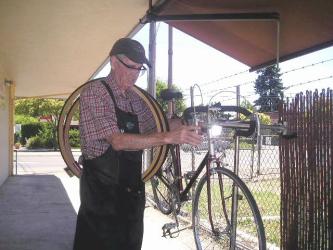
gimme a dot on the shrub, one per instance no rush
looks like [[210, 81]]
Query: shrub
[[38, 141], [74, 138], [29, 130], [22, 119], [49, 135], [35, 142], [46, 137]]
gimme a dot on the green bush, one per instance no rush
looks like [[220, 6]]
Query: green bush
[[46, 138], [38, 141], [29, 130], [49, 135], [22, 119], [74, 138], [35, 142]]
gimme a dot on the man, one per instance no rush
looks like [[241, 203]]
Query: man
[[115, 126]]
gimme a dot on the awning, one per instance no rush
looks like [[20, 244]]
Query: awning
[[248, 30], [49, 48]]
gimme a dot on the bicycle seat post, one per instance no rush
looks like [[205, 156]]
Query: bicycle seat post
[[171, 96]]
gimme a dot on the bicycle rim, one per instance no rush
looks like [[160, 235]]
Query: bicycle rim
[[158, 154], [217, 232]]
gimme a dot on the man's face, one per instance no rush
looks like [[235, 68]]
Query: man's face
[[125, 71]]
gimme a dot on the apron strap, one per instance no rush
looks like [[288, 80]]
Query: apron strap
[[110, 92]]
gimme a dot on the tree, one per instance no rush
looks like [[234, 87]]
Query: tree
[[270, 89], [180, 104], [39, 107]]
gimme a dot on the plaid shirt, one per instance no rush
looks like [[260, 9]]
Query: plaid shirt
[[98, 118]]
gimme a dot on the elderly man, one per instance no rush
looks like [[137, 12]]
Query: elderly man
[[115, 126]]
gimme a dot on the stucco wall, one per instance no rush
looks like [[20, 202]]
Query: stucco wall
[[4, 121]]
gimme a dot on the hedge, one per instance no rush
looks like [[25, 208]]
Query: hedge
[[29, 130]]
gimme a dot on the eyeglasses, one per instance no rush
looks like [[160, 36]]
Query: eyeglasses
[[142, 69]]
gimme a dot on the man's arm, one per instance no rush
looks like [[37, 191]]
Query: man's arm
[[183, 134]]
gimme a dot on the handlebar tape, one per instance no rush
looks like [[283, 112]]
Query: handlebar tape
[[201, 109], [188, 114]]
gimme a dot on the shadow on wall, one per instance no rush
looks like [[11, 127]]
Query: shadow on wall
[[35, 213]]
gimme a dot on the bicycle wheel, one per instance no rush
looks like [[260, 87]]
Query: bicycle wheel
[[165, 188], [162, 194], [225, 229], [158, 154]]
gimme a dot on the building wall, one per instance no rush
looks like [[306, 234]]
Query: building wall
[[4, 125]]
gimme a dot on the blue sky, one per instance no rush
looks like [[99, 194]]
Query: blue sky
[[197, 63]]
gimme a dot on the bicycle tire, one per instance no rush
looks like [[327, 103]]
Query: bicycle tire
[[67, 112], [250, 233], [162, 186], [162, 195]]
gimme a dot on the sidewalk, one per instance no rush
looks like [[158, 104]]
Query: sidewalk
[[35, 214], [38, 212]]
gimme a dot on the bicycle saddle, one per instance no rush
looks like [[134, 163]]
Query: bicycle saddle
[[169, 94]]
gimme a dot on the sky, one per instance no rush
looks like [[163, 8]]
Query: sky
[[197, 63]]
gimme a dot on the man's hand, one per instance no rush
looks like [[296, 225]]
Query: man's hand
[[185, 134], [182, 134]]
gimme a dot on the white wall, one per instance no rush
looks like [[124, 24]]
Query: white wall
[[4, 123]]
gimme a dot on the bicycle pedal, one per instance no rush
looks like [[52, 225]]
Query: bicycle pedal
[[189, 175], [167, 229]]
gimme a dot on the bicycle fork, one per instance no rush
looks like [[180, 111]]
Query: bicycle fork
[[230, 227]]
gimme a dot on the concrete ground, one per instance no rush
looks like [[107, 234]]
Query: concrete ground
[[38, 209]]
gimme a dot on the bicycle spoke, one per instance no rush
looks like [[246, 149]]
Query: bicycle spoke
[[216, 232]]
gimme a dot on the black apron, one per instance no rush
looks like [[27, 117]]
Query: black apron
[[112, 195]]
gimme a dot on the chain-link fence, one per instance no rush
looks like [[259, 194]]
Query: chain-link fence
[[258, 168]]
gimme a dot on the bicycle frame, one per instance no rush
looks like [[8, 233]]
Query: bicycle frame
[[215, 167]]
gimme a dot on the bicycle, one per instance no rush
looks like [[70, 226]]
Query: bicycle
[[214, 180], [224, 213]]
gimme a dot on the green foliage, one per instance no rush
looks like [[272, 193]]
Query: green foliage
[[74, 138], [247, 104], [35, 142], [180, 104], [264, 119], [44, 138], [39, 141], [29, 130], [36, 107], [48, 134], [269, 87], [23, 119]]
